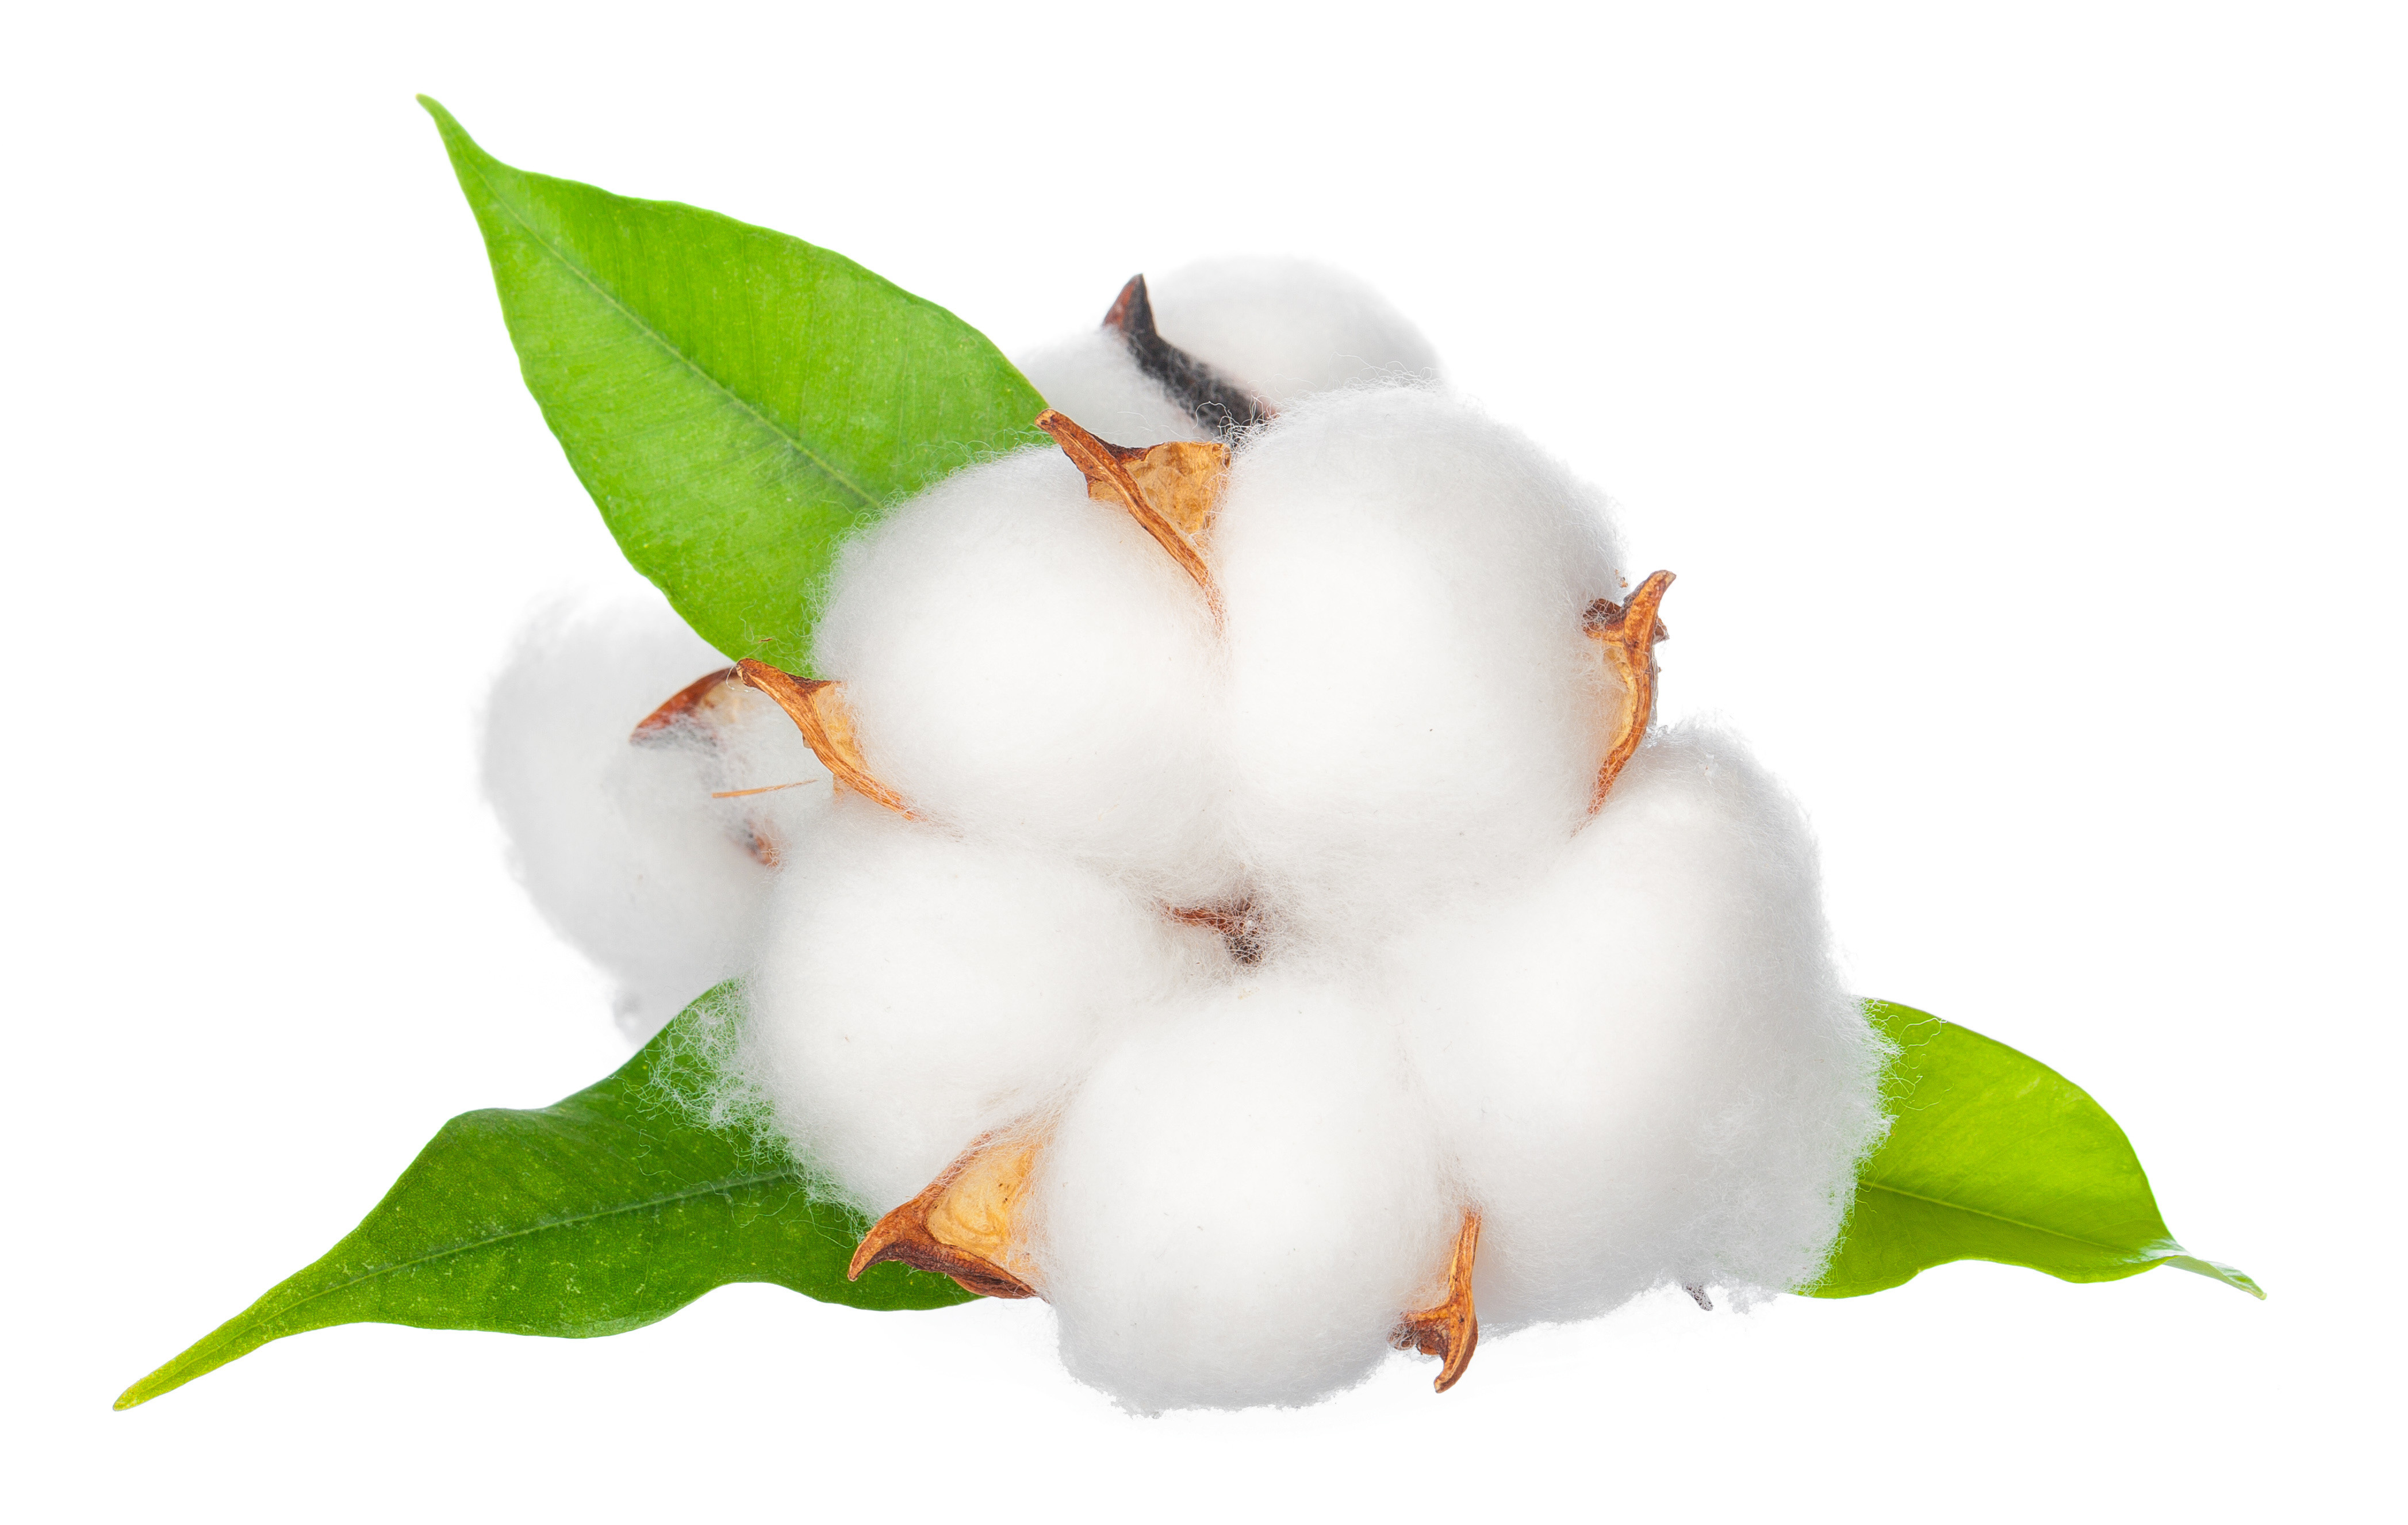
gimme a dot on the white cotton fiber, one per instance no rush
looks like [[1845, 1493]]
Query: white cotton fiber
[[915, 990], [1646, 1067], [1026, 665], [1241, 1201], [1091, 378], [1412, 706], [622, 846], [1288, 328]]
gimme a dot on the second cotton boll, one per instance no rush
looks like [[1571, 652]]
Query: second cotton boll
[[1412, 705], [918, 990], [1241, 1198], [1024, 665], [1641, 1059]]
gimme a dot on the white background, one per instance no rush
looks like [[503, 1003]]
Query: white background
[[2018, 395]]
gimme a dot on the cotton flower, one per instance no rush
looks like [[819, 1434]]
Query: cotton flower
[[1252, 912]]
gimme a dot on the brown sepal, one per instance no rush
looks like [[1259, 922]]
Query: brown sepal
[[1626, 637], [961, 1225], [698, 701], [1451, 1330], [817, 708], [1215, 401], [1169, 489]]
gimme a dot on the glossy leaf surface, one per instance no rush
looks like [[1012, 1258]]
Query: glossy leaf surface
[[1994, 1156], [602, 1212], [735, 399]]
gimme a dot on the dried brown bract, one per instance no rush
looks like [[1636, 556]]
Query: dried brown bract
[[704, 699], [1169, 489], [962, 1224], [1449, 1329], [1626, 637], [818, 709]]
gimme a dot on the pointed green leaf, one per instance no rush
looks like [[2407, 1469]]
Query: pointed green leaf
[[598, 1214], [735, 399], [1994, 1156]]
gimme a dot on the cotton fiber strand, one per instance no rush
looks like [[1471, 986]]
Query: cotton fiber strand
[[1280, 923]]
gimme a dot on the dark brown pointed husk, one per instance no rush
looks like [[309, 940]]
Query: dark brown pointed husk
[[1215, 401]]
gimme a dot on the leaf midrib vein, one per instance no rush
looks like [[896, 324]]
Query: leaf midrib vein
[[2002, 1217], [729, 1184], [793, 441]]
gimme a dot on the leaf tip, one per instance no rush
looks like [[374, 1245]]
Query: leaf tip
[[457, 141], [2232, 1277], [143, 1391]]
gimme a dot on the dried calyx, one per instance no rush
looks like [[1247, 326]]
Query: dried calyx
[[967, 1223], [1449, 1328], [963, 1223], [1169, 489], [1626, 637]]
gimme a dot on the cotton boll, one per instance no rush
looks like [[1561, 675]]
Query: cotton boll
[[1412, 705], [1093, 379], [1287, 328], [622, 846], [915, 991], [1645, 1065], [1026, 665], [1240, 1201]]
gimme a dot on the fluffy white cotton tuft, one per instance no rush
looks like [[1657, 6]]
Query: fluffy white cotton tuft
[[1412, 706], [622, 846], [1241, 1201], [1646, 1067], [1028, 667], [1288, 328], [915, 990], [1091, 378]]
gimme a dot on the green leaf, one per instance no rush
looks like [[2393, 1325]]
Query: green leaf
[[1994, 1156], [735, 399], [596, 1214]]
